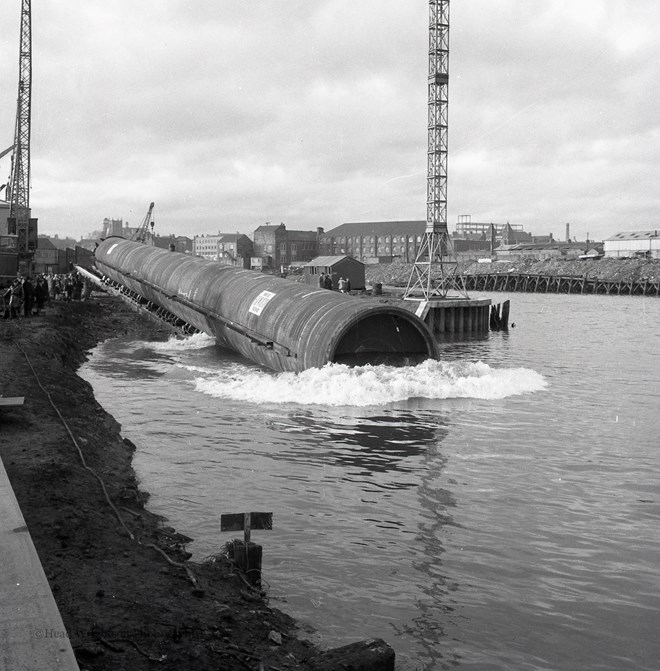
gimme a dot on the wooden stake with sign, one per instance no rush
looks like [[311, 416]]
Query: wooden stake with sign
[[247, 554]]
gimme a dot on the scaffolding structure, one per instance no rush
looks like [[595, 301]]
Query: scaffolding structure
[[435, 269], [18, 187]]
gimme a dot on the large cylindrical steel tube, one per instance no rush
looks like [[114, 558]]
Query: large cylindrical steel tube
[[284, 325]]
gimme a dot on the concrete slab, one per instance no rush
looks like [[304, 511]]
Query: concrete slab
[[32, 635], [12, 400]]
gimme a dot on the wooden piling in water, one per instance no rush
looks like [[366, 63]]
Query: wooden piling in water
[[559, 284], [246, 554], [504, 322], [248, 558]]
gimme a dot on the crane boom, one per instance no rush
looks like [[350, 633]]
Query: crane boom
[[143, 231], [6, 151]]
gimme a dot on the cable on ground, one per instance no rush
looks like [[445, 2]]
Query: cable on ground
[[75, 442]]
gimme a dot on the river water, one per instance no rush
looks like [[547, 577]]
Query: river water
[[498, 509]]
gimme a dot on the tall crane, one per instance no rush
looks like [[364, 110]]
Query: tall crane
[[18, 187], [142, 233], [434, 270]]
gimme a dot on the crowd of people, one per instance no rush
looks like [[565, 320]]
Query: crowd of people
[[343, 284], [24, 297]]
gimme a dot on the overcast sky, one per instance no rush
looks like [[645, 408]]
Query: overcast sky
[[313, 113]]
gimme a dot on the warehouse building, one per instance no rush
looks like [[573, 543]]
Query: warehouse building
[[634, 244], [230, 249], [276, 247], [374, 241]]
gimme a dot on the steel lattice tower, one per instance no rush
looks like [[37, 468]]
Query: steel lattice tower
[[19, 181], [435, 266]]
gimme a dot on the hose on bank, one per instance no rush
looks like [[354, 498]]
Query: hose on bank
[[75, 442], [170, 561]]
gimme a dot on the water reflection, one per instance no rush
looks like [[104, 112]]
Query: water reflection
[[480, 348], [122, 360], [448, 338], [436, 507], [372, 443]]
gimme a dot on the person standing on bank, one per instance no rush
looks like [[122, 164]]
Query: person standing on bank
[[322, 281], [15, 299], [41, 293], [28, 297]]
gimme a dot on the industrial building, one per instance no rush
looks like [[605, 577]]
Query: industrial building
[[116, 227], [50, 257], [374, 241], [634, 244], [230, 249], [275, 246], [176, 243], [388, 241], [466, 229], [542, 251]]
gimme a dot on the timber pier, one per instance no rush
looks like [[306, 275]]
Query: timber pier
[[455, 316], [559, 284]]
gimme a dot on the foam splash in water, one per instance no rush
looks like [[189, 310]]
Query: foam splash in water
[[336, 384], [177, 344]]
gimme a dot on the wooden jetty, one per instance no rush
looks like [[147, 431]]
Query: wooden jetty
[[462, 316], [559, 284]]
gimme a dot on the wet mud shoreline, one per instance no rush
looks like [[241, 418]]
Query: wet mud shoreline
[[128, 596]]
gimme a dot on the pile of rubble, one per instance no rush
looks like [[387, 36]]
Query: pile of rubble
[[397, 273]]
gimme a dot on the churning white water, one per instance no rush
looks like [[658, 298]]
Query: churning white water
[[337, 384]]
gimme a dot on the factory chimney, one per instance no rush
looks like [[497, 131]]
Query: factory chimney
[[568, 232]]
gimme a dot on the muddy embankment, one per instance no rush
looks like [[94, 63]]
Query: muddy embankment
[[129, 598]]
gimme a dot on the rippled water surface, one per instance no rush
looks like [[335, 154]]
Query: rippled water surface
[[499, 509]]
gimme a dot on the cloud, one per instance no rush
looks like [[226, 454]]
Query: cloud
[[231, 114]]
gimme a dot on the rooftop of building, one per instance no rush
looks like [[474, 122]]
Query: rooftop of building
[[412, 227], [636, 235], [555, 244], [45, 244], [330, 260], [302, 235], [269, 228]]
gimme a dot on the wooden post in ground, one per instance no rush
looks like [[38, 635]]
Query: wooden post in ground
[[246, 554]]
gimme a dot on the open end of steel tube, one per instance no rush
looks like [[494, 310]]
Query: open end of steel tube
[[384, 339]]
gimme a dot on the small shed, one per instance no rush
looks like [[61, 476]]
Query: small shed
[[335, 266]]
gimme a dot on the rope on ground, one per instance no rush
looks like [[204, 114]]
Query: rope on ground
[[135, 645], [192, 578], [91, 470], [75, 442], [187, 569], [224, 555]]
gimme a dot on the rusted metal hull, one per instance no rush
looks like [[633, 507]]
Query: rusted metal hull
[[283, 325]]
